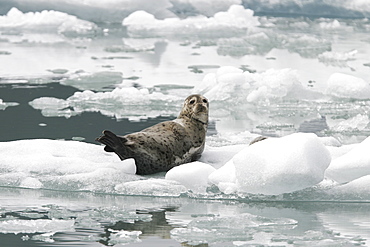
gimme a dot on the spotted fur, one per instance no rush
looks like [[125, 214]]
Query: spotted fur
[[167, 144]]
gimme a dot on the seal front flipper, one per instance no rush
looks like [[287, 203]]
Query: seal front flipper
[[114, 143]]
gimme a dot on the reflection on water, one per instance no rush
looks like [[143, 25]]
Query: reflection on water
[[148, 221]]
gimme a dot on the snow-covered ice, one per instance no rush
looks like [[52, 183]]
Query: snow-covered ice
[[63, 165], [232, 85], [352, 165], [36, 226], [234, 21], [276, 166], [47, 21], [194, 176], [127, 102], [348, 86]]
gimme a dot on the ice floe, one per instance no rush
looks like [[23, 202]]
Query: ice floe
[[348, 86], [194, 176], [276, 166], [64, 165], [4, 105], [36, 226], [209, 230], [230, 84], [47, 21], [132, 103], [352, 165], [234, 22]]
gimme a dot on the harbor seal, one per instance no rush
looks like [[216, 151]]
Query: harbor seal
[[167, 144]]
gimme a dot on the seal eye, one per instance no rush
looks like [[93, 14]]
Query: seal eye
[[192, 101], [205, 101]]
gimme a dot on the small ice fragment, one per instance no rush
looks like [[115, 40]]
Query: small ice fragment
[[78, 138], [194, 176], [42, 124], [123, 237], [58, 71], [32, 183], [356, 123]]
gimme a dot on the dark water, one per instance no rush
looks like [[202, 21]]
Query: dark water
[[23, 121]]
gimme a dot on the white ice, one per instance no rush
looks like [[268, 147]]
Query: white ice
[[47, 21], [194, 176], [4, 105], [235, 21], [293, 163], [138, 104], [348, 86], [230, 84], [36, 226], [276, 166], [65, 165], [352, 165]]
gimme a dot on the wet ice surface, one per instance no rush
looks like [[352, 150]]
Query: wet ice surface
[[69, 76]]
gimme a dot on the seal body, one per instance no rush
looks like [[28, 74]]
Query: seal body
[[167, 144]]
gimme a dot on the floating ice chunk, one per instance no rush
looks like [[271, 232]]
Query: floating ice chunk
[[258, 43], [352, 165], [151, 187], [306, 46], [33, 226], [204, 7], [337, 58], [123, 237], [235, 86], [226, 229], [96, 81], [348, 86], [45, 237], [335, 24], [356, 123], [235, 21], [359, 187], [53, 107], [283, 165], [225, 178], [32, 183], [4, 105], [218, 156], [194, 176], [62, 165], [138, 104], [47, 21]]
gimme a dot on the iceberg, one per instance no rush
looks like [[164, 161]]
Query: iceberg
[[47, 21], [348, 86], [234, 22], [294, 162]]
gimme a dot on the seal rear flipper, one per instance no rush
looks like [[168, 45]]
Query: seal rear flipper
[[113, 143]]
